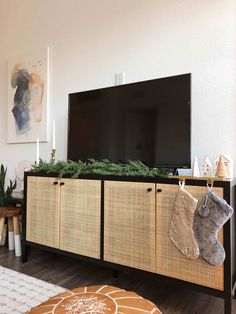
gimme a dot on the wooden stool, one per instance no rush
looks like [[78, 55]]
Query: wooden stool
[[96, 299], [12, 214]]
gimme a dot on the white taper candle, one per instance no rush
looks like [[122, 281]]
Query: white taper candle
[[53, 135], [37, 152]]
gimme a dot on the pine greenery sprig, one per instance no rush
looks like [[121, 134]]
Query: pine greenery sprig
[[73, 169]]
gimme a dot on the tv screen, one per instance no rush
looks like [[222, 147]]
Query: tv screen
[[148, 121]]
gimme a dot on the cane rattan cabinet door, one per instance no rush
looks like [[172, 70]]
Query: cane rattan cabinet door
[[169, 260], [80, 221], [42, 213], [129, 224]]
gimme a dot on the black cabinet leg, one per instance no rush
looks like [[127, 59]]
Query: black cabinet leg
[[24, 256], [115, 273], [228, 305]]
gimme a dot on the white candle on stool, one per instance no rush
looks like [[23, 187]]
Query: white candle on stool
[[37, 153], [53, 135], [16, 227], [11, 244]]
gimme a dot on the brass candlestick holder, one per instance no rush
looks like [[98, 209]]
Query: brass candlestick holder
[[53, 155]]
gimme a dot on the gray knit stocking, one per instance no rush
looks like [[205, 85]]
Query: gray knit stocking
[[211, 214]]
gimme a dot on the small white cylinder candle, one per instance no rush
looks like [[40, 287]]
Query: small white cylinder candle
[[17, 245], [37, 152], [11, 243], [53, 135]]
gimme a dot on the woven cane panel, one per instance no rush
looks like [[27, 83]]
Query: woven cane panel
[[42, 219], [129, 224], [81, 217], [169, 260]]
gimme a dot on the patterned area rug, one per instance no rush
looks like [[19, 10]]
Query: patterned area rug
[[19, 292]]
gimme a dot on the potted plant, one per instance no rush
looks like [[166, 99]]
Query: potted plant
[[5, 193]]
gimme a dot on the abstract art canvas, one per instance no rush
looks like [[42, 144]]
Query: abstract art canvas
[[28, 78]]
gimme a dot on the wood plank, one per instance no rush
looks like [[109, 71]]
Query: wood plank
[[71, 273], [2, 220], [3, 235]]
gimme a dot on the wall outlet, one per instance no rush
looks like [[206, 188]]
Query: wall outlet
[[120, 78]]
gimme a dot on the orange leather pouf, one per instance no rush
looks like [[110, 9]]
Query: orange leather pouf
[[96, 300]]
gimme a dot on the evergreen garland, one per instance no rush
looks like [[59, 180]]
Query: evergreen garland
[[73, 169]]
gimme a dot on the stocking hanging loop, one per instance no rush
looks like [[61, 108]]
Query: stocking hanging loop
[[210, 185], [181, 183]]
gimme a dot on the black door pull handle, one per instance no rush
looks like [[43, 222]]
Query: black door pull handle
[[62, 183], [149, 189], [55, 183], [159, 190]]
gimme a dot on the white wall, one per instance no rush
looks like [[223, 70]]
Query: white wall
[[93, 39]]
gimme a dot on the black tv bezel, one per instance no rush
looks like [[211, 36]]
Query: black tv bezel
[[187, 165]]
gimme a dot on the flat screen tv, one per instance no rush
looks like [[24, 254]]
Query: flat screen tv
[[148, 121]]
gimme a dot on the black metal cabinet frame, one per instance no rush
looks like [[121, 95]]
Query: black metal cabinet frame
[[229, 188]]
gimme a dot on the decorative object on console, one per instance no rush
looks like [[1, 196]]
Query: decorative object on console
[[196, 171], [228, 161], [221, 170], [53, 155], [211, 214], [206, 168], [28, 97], [181, 225], [72, 169]]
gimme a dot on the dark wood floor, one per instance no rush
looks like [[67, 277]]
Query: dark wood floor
[[70, 273]]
